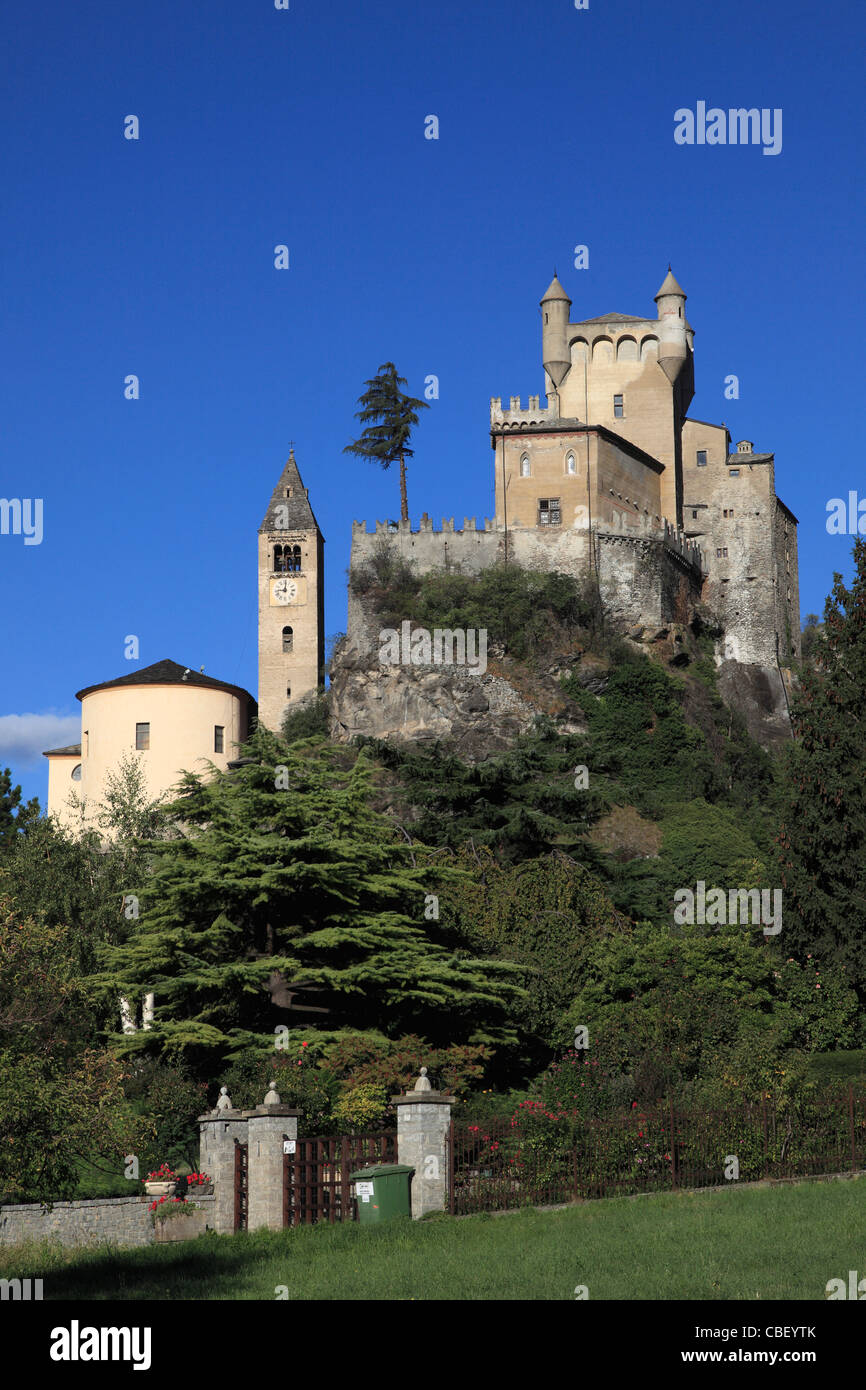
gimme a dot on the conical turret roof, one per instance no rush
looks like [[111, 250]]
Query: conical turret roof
[[291, 495], [555, 290], [670, 286]]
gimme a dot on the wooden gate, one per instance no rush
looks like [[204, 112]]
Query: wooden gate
[[316, 1177], [241, 1185]]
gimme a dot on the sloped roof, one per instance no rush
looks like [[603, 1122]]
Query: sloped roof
[[167, 672], [297, 514], [616, 318], [72, 750], [554, 290], [670, 286]]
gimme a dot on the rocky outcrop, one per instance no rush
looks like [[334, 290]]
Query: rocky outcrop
[[476, 715], [759, 696]]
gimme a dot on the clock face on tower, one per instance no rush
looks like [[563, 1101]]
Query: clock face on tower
[[285, 591]]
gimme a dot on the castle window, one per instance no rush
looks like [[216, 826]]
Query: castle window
[[219, 738], [288, 639], [76, 771], [569, 463], [702, 458], [524, 467], [722, 553], [617, 407], [695, 515], [733, 472], [142, 737], [548, 511]]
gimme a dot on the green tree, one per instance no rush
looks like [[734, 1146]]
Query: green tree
[[389, 416], [822, 839], [285, 882], [61, 1097], [15, 814]]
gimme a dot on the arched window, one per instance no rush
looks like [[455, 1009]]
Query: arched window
[[280, 558], [288, 639], [294, 559], [76, 773], [524, 466], [569, 463]]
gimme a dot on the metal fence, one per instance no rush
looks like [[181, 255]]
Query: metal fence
[[537, 1161], [241, 1185], [316, 1177]]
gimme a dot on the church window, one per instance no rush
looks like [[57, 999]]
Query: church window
[[76, 773], [618, 407], [722, 553], [219, 738], [290, 491], [294, 558], [288, 639], [524, 466], [279, 558], [142, 737], [702, 458], [548, 511], [569, 463]]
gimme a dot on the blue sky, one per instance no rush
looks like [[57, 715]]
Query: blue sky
[[306, 127]]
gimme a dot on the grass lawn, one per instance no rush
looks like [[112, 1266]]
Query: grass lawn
[[751, 1243]]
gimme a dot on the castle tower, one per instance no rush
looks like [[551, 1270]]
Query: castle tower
[[673, 348], [291, 599], [555, 307]]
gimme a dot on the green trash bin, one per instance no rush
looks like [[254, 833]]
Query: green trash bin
[[382, 1191]]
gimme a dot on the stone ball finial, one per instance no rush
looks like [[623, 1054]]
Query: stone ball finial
[[272, 1096], [422, 1084], [225, 1100]]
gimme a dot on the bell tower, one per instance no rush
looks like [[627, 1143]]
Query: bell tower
[[291, 600]]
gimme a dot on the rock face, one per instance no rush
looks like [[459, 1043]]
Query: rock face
[[476, 715], [759, 695]]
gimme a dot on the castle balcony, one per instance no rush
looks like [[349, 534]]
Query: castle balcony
[[680, 544], [517, 415]]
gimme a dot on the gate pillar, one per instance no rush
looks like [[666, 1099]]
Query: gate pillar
[[423, 1126], [270, 1125], [218, 1130]]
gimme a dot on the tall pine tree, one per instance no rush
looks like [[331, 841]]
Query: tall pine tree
[[822, 840], [286, 883]]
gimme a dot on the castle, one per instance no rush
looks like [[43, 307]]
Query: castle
[[610, 480]]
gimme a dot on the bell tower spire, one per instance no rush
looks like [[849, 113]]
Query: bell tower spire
[[291, 599]]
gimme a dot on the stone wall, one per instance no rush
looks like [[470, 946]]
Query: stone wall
[[648, 578], [123, 1221]]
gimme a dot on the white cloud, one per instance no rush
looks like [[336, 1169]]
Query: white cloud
[[24, 737]]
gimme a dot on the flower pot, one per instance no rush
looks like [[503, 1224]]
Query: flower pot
[[160, 1189], [180, 1227]]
